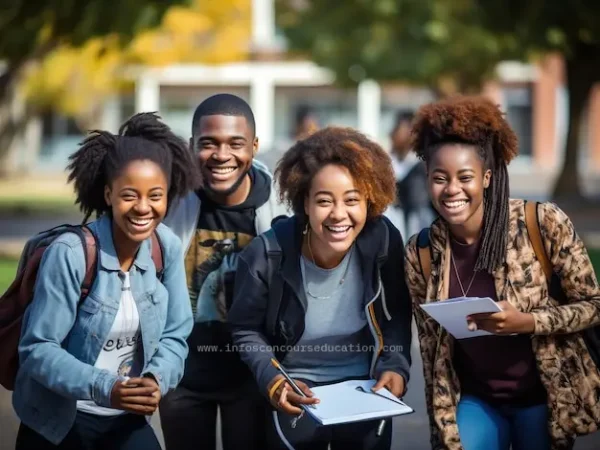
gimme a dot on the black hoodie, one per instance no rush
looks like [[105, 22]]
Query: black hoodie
[[221, 234], [386, 300]]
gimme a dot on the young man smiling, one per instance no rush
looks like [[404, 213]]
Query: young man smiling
[[237, 202]]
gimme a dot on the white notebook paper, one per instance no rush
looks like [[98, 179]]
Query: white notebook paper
[[343, 403], [452, 314]]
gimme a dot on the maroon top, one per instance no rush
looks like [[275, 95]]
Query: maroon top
[[497, 369]]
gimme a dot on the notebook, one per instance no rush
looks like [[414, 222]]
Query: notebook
[[343, 403], [452, 314]]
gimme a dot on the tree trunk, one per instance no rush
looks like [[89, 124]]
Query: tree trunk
[[13, 121], [580, 79]]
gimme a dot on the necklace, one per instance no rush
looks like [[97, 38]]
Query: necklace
[[323, 297], [462, 244], [458, 277]]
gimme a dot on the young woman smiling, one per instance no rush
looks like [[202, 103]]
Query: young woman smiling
[[340, 289], [90, 373], [532, 383]]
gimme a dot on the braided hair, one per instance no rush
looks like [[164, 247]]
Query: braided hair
[[102, 156], [476, 121]]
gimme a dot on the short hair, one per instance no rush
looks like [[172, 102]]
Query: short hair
[[403, 116], [302, 113], [476, 121], [103, 155], [225, 105], [369, 165]]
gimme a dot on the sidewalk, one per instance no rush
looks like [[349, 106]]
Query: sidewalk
[[37, 185]]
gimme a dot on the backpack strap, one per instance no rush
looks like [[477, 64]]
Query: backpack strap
[[535, 236], [424, 252], [91, 261], [157, 255], [275, 281]]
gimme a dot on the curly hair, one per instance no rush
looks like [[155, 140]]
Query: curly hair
[[102, 156], [369, 165], [475, 121]]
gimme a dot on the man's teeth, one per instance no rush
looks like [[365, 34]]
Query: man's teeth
[[140, 222], [222, 170], [456, 204], [338, 229]]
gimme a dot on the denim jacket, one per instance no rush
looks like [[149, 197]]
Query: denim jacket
[[60, 341]]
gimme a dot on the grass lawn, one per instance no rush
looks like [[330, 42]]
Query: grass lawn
[[8, 268], [34, 195]]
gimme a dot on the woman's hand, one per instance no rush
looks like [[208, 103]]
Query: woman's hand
[[393, 381], [509, 321], [285, 399], [136, 395]]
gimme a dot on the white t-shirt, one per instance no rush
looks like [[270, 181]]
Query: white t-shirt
[[121, 353]]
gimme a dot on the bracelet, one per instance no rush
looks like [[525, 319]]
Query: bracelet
[[274, 387]]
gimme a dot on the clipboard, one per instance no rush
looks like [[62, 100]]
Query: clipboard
[[353, 401], [452, 314]]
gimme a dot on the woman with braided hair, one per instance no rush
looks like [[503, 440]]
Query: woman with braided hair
[[91, 371], [530, 382]]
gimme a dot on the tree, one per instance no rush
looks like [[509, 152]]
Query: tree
[[29, 32], [451, 45], [571, 28], [75, 81], [437, 43], [210, 32]]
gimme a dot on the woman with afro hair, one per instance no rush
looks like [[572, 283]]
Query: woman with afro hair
[[530, 381], [335, 286], [93, 368]]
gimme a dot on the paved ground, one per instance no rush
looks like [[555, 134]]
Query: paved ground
[[410, 432]]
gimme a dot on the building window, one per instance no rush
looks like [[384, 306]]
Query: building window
[[519, 114]]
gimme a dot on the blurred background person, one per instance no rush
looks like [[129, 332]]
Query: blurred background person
[[412, 210], [305, 124]]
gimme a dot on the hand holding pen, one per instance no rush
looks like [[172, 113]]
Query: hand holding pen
[[288, 395]]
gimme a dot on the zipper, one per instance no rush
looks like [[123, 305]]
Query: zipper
[[374, 328]]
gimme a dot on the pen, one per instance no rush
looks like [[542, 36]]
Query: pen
[[290, 381]]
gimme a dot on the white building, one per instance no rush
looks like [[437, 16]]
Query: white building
[[532, 96]]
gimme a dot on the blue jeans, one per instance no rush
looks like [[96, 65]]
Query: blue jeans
[[483, 427]]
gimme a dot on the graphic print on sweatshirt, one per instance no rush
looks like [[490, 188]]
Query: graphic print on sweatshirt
[[210, 268]]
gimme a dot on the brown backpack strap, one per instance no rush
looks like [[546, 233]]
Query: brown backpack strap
[[535, 236], [91, 256], [157, 256]]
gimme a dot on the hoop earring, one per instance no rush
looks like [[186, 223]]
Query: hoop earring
[[305, 231]]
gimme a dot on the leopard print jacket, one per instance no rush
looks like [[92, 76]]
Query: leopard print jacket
[[567, 371]]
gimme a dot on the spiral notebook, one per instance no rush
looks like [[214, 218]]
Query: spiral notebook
[[353, 401]]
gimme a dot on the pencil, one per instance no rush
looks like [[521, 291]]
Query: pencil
[[290, 381]]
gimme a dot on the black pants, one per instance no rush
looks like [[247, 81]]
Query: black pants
[[311, 436], [189, 418], [90, 432]]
